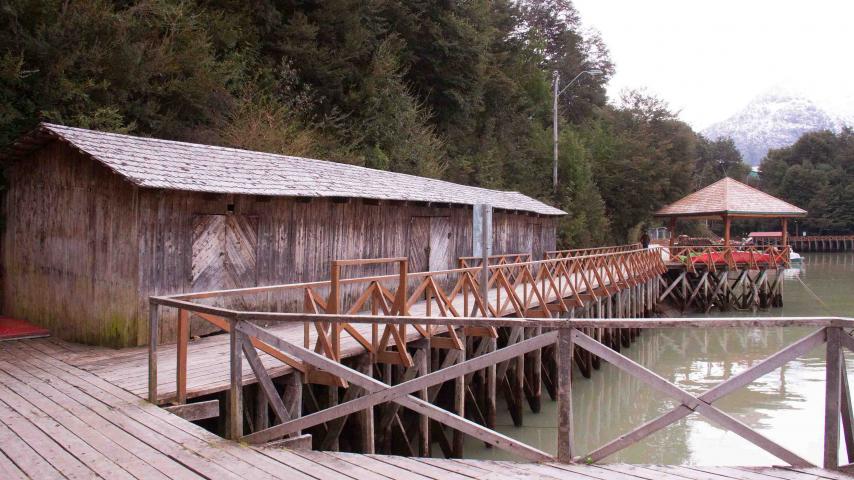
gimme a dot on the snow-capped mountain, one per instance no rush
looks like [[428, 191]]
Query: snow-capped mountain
[[772, 120]]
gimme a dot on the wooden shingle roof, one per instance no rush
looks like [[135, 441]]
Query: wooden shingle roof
[[166, 164], [730, 197]]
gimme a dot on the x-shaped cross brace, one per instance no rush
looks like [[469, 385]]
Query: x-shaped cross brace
[[701, 404]]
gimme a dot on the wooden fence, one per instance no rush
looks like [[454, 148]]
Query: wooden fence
[[564, 334], [543, 288], [581, 252]]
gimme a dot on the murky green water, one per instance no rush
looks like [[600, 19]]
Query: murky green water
[[786, 405]]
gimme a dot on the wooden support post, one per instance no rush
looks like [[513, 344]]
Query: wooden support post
[[832, 398], [518, 388], [485, 250], [332, 307], [181, 357], [565, 348], [534, 368], [459, 401], [366, 416], [490, 391], [153, 321], [727, 225], [785, 232], [292, 394], [846, 411], [261, 417], [331, 440], [234, 405], [423, 364], [672, 232], [390, 411]]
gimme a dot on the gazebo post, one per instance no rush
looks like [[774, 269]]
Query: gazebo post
[[727, 223], [672, 231], [785, 231]]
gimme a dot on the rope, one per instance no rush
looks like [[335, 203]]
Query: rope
[[814, 295]]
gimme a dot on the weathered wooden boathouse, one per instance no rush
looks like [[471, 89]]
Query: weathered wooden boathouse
[[244, 231], [729, 274], [97, 222]]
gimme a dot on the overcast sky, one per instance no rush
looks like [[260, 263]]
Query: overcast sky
[[708, 58]]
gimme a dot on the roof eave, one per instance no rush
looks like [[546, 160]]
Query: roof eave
[[730, 213]]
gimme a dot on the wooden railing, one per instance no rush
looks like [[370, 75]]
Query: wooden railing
[[504, 259], [580, 252], [814, 238], [543, 288], [715, 256], [245, 336], [823, 242]]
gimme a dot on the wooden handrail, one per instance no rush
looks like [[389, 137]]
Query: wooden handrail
[[516, 295], [568, 333]]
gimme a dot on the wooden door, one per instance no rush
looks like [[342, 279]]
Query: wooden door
[[224, 255], [440, 244], [537, 248], [418, 244], [429, 245]]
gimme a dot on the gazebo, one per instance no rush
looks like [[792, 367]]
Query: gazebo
[[727, 199]]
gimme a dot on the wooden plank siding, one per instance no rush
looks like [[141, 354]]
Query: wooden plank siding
[[69, 255], [84, 249]]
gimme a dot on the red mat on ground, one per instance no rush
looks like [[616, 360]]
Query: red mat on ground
[[12, 328]]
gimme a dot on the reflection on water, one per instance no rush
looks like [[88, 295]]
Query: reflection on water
[[785, 405]]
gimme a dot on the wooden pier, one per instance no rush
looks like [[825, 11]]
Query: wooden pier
[[823, 243], [617, 281], [723, 277], [60, 421]]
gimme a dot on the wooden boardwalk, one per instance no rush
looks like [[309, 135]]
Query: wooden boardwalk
[[207, 357], [60, 421]]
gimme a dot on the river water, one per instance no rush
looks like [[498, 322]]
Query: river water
[[786, 405]]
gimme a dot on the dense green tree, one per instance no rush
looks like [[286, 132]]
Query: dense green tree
[[643, 157], [717, 159], [816, 174], [457, 90]]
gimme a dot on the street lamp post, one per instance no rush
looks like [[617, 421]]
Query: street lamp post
[[592, 72]]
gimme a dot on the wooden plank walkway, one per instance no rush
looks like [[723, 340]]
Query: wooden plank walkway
[[59, 421], [207, 357]]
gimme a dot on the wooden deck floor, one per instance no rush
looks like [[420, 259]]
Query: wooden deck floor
[[59, 421], [207, 358]]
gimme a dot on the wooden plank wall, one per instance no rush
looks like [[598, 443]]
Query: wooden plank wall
[[84, 248], [69, 253], [297, 240]]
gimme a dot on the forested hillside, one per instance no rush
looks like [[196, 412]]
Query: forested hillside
[[449, 89], [817, 174]]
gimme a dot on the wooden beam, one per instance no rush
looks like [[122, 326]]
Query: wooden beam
[[181, 356], [300, 442], [785, 231], [266, 384], [694, 403], [415, 404], [389, 393], [153, 321], [234, 422], [727, 225], [196, 411], [832, 398], [846, 411], [565, 349], [672, 232]]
